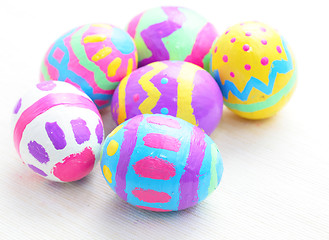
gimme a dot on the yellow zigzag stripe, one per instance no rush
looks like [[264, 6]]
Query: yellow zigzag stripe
[[152, 92], [184, 93]]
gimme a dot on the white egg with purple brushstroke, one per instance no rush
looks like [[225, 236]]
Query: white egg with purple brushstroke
[[58, 131]]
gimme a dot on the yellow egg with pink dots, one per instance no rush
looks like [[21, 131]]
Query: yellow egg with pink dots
[[255, 70]]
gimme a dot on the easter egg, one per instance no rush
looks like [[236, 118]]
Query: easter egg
[[172, 33], [176, 88], [58, 131], [161, 163], [93, 57], [255, 70]]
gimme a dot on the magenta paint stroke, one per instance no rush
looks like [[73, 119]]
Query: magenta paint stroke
[[56, 135], [132, 26], [161, 141], [202, 45], [75, 166], [154, 168], [151, 196], [127, 148], [189, 182], [172, 123]]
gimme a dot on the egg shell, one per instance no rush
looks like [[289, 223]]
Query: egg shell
[[176, 88], [58, 131], [93, 57], [161, 163], [255, 70], [172, 33]]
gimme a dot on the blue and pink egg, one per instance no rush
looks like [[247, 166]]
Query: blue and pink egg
[[161, 163], [94, 58]]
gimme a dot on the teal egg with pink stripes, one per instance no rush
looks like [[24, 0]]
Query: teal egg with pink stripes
[[172, 33], [161, 163], [57, 131], [94, 58]]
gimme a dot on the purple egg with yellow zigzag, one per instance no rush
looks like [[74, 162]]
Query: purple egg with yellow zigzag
[[176, 88]]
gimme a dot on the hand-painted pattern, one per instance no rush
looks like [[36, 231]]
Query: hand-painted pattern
[[172, 33], [254, 69], [175, 88], [164, 176], [61, 148], [92, 57]]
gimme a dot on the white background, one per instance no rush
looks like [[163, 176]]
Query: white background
[[276, 172]]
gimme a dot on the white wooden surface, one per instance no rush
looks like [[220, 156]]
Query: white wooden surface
[[276, 171]]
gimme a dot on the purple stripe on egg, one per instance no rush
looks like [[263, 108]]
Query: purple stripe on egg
[[80, 130], [168, 90], [99, 132], [127, 148], [37, 170], [18, 106], [207, 112], [189, 182], [56, 135], [38, 152], [163, 29]]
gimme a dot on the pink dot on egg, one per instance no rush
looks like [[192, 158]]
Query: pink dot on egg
[[232, 74], [247, 67], [264, 41], [227, 31], [136, 97], [278, 48], [245, 47], [263, 29], [264, 61], [215, 50], [225, 58], [248, 34], [233, 40]]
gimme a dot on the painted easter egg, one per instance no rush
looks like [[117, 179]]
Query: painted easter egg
[[161, 163], [93, 57], [255, 70], [172, 33], [176, 88], [58, 131]]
